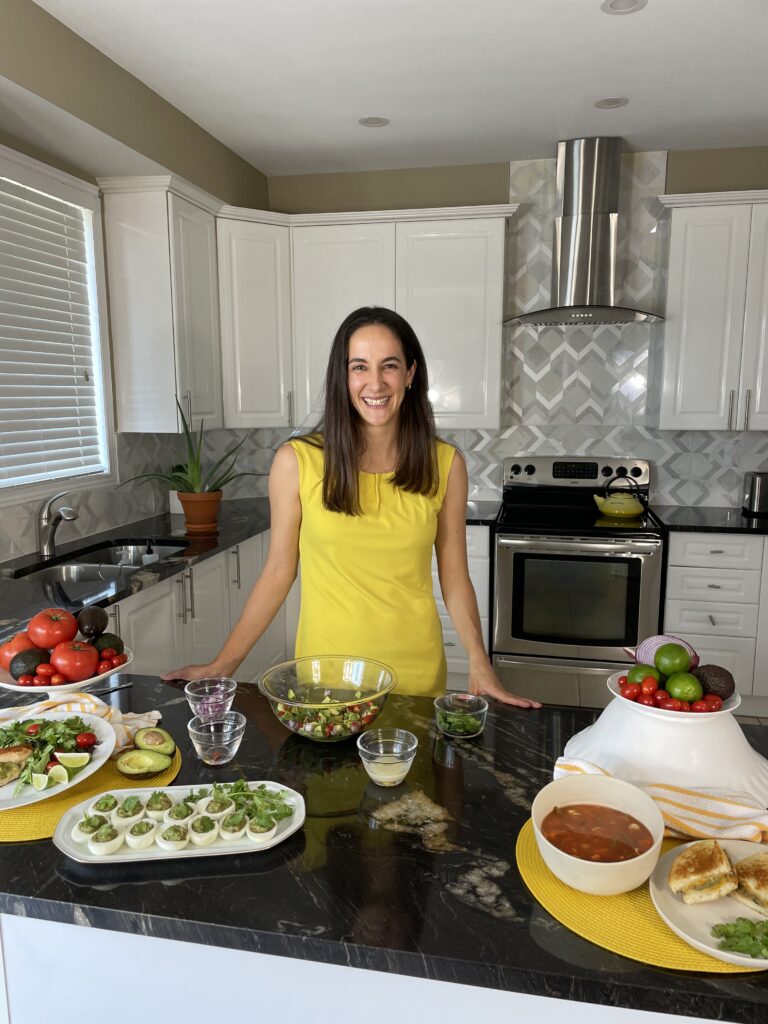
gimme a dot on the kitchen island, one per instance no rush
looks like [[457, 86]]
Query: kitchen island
[[415, 885]]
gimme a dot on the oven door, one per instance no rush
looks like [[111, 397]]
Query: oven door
[[584, 598]]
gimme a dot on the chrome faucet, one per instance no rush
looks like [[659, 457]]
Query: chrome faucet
[[47, 522]]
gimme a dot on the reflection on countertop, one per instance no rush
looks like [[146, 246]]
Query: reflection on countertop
[[709, 519]]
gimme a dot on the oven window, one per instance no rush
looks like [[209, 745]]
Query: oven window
[[577, 600]]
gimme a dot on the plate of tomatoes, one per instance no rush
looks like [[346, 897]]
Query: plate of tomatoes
[[59, 652]]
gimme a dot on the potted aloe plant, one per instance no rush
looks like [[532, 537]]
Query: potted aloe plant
[[199, 490]]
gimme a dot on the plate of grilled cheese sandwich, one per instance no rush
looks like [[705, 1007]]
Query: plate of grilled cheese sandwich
[[702, 889]]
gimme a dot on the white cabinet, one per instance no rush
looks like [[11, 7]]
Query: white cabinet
[[714, 599], [336, 269], [449, 284], [207, 612], [246, 563], [255, 300], [716, 333], [163, 290], [760, 685]]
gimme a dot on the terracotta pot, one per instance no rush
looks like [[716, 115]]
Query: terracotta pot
[[201, 511]]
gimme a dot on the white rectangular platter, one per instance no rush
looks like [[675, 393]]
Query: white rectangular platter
[[79, 852]]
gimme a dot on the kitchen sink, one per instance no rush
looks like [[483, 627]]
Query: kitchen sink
[[108, 562], [134, 555], [80, 573]]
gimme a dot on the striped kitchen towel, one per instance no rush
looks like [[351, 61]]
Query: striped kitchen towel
[[125, 724], [697, 813]]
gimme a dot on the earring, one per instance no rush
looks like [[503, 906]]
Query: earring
[[408, 387]]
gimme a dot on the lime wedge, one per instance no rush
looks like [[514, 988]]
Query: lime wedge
[[77, 759], [39, 780], [58, 774]]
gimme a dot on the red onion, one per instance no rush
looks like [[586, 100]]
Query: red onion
[[646, 650]]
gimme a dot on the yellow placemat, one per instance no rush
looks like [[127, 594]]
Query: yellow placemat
[[39, 821], [626, 924]]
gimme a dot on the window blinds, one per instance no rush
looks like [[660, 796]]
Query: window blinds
[[51, 406]]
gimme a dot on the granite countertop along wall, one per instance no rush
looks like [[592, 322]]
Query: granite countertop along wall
[[419, 879], [709, 519]]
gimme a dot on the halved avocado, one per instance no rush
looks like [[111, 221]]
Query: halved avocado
[[142, 762], [25, 662], [106, 640], [157, 740]]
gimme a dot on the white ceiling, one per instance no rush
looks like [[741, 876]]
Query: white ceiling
[[283, 82]]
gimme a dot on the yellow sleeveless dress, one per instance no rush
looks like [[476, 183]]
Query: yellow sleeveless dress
[[366, 581]]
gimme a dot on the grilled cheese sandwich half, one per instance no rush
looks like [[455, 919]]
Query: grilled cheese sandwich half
[[752, 873], [702, 872]]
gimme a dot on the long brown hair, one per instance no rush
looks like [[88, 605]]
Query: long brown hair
[[340, 434]]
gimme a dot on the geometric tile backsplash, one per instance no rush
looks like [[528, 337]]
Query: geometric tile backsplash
[[575, 391]]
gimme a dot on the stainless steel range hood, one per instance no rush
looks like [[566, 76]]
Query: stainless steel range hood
[[584, 286]]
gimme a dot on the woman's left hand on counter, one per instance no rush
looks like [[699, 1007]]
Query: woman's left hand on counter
[[484, 681]]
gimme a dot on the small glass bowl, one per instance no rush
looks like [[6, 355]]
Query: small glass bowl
[[216, 740], [211, 697], [460, 715], [387, 754]]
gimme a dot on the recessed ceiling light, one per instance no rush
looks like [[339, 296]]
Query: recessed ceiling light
[[622, 6], [611, 101], [374, 122]]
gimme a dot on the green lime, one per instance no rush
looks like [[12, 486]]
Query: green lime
[[58, 773], [684, 686], [39, 780], [77, 759], [672, 658], [640, 672]]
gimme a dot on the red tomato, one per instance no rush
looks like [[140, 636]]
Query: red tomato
[[45, 669], [649, 685], [33, 729], [25, 680], [52, 626], [51, 764], [57, 679], [85, 740], [40, 681], [647, 700], [672, 704], [10, 648], [699, 705], [715, 702], [631, 691], [118, 660], [103, 666], [622, 682], [108, 653], [685, 705], [659, 696], [75, 660]]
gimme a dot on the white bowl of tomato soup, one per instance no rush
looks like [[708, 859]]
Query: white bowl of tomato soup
[[598, 834]]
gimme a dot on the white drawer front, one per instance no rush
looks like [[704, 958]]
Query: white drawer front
[[718, 619], [478, 541], [479, 574], [737, 654], [716, 550], [715, 585], [455, 654]]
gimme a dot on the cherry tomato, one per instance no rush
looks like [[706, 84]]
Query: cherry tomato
[[623, 680], [715, 702], [647, 700], [368, 718], [118, 660], [699, 705], [108, 654], [631, 691], [57, 679], [660, 695], [33, 729], [686, 705], [85, 740], [25, 680], [40, 681], [45, 669], [103, 666], [649, 685], [51, 764], [672, 704]]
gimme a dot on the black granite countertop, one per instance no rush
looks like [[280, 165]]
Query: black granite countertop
[[482, 513], [709, 519], [433, 894]]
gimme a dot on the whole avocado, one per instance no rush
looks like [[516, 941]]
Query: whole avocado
[[25, 662], [109, 640], [716, 679], [92, 622]]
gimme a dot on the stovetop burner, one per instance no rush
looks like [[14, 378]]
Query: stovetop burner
[[552, 495]]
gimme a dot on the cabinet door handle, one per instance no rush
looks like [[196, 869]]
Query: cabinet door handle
[[711, 620], [449, 643], [183, 613], [191, 595], [731, 398], [289, 398], [115, 610], [717, 551], [236, 552], [747, 400], [714, 586]]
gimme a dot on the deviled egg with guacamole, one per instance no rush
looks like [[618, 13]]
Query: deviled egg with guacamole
[[105, 804], [180, 812], [158, 803], [128, 812], [203, 830], [172, 837], [141, 834], [105, 840], [216, 806], [233, 826], [87, 826], [261, 828]]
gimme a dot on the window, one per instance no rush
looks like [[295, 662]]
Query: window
[[53, 419]]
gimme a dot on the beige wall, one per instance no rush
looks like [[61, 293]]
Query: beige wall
[[42, 55], [716, 170], [414, 188], [22, 146]]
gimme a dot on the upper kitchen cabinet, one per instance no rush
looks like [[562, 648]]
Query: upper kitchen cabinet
[[255, 296], [716, 334], [163, 289]]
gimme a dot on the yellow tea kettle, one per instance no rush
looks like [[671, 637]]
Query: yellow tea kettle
[[623, 503]]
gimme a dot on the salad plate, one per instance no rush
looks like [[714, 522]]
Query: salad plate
[[693, 922], [7, 683], [81, 852], [105, 744]]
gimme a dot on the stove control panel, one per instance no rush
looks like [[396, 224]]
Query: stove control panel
[[577, 471]]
